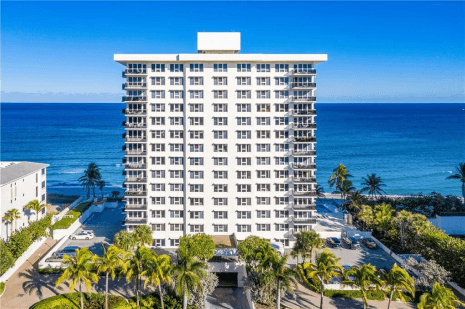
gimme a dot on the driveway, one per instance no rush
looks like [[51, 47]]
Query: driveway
[[105, 225], [227, 298]]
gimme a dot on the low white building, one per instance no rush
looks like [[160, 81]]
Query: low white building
[[21, 183]]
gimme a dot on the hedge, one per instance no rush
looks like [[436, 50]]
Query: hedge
[[372, 295], [46, 271], [72, 301], [6, 258], [2, 287], [76, 213]]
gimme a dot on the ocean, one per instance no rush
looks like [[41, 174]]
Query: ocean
[[412, 147]]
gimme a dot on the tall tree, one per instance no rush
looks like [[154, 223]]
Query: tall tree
[[366, 215], [142, 235], [101, 184], [365, 279], [79, 269], [90, 178], [199, 245], [345, 188], [157, 271], [108, 264], [439, 297], [12, 215], [356, 200], [275, 271], [459, 175], [252, 250], [305, 244], [189, 274], [383, 216], [36, 206], [124, 240], [340, 174], [373, 185], [133, 268], [397, 282], [320, 191], [324, 269]]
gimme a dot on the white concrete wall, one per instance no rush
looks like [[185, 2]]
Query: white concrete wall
[[229, 267], [451, 225], [58, 217], [60, 233]]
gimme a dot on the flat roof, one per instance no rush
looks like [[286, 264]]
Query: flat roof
[[10, 171]]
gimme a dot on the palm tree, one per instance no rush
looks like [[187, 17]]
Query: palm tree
[[101, 185], [460, 175], [275, 271], [397, 281], [357, 199], [439, 297], [345, 188], [90, 178], [11, 216], [326, 268], [383, 216], [142, 235], [124, 240], [79, 269], [403, 221], [158, 270], [109, 264], [189, 274], [364, 278], [341, 173], [373, 185], [114, 194], [133, 267], [320, 191], [366, 215], [306, 242], [36, 206]]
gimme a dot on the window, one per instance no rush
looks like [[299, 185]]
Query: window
[[196, 161], [176, 174], [158, 134], [176, 81], [176, 94], [264, 174], [158, 213], [264, 187], [196, 67], [281, 160], [244, 148], [281, 134], [176, 121], [243, 67], [196, 107], [158, 147], [263, 134], [176, 160], [263, 94], [176, 147], [244, 201], [220, 94], [196, 174], [244, 161], [177, 108], [158, 201], [244, 121], [220, 161], [220, 174], [282, 147], [220, 135], [263, 81], [303, 67], [158, 67], [281, 174], [281, 108], [158, 81], [196, 201], [158, 121], [244, 188], [244, 228], [281, 121], [263, 214], [244, 174], [263, 108], [281, 200], [220, 188], [177, 201], [281, 187], [263, 227], [281, 81], [176, 187], [196, 94], [220, 108], [158, 94], [220, 121], [220, 81], [243, 108], [158, 161], [158, 174], [196, 147], [243, 81], [220, 147], [176, 213], [263, 68], [136, 68], [220, 67], [263, 121], [222, 201], [281, 94], [196, 228], [196, 188], [281, 214], [243, 94], [158, 242], [196, 121], [220, 228], [177, 227], [281, 67], [196, 214], [263, 147], [158, 187], [196, 80], [281, 227], [244, 214], [43, 171], [263, 201], [243, 134], [176, 67], [174, 242]]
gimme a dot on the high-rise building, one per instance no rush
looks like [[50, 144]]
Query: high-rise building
[[220, 142]]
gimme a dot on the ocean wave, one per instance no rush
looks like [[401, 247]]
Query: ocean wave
[[72, 172]]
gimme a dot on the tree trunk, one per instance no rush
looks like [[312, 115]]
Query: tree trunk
[[161, 297], [82, 299], [322, 291], [278, 298], [184, 303], [106, 292], [137, 291], [390, 298], [37, 216]]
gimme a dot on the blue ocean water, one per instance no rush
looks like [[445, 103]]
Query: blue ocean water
[[413, 147]]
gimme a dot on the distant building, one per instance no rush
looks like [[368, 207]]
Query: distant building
[[220, 142], [21, 183]]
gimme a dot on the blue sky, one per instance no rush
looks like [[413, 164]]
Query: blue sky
[[378, 51]]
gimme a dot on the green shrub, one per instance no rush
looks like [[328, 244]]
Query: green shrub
[[6, 258], [19, 242], [46, 271], [72, 301], [2, 287], [75, 213], [372, 295]]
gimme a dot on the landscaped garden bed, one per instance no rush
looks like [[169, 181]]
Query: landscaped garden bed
[[72, 301], [71, 216]]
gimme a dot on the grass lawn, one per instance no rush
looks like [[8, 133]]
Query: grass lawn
[[75, 213]]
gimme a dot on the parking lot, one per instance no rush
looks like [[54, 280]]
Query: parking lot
[[104, 224]]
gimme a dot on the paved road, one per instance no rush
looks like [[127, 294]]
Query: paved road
[[227, 298]]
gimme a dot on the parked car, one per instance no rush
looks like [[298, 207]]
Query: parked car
[[278, 247], [351, 242], [369, 243], [70, 250], [333, 242], [82, 235]]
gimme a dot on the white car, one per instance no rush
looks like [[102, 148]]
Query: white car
[[278, 247], [82, 235]]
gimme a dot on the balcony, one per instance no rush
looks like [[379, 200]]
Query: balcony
[[304, 179], [136, 166], [304, 153], [134, 86], [135, 193], [304, 193], [303, 112], [134, 99], [135, 139], [136, 179], [303, 166], [135, 111], [303, 85], [134, 72], [303, 126], [133, 220], [306, 71], [134, 124], [303, 139], [135, 207], [304, 220], [303, 99], [304, 207], [135, 152]]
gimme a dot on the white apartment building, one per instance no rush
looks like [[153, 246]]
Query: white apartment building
[[21, 183], [220, 142]]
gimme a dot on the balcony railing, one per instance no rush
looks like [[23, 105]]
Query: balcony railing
[[303, 139], [135, 207], [302, 166], [303, 85], [303, 112], [135, 193], [134, 86], [136, 179], [306, 71], [134, 99], [303, 125], [304, 207], [135, 139], [134, 72], [135, 220], [302, 99], [304, 153], [304, 193], [304, 179], [304, 220], [134, 111], [136, 165], [134, 124], [135, 152]]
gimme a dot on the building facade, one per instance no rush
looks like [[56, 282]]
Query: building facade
[[21, 183], [220, 142]]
